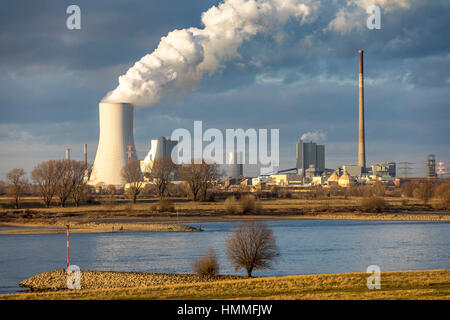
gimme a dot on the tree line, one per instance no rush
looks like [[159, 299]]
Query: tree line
[[61, 179], [198, 178]]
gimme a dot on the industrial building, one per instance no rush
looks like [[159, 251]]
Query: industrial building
[[159, 148], [116, 143], [384, 169], [310, 154]]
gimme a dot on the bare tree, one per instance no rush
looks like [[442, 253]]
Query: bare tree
[[46, 176], [251, 246], [65, 182], [160, 173], [18, 185], [199, 178], [79, 181], [132, 174]]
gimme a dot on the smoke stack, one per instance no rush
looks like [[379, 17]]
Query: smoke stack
[[362, 139], [67, 154], [85, 156], [115, 145]]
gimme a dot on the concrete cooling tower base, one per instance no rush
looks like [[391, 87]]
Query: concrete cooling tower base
[[116, 143]]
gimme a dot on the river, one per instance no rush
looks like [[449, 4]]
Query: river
[[306, 247]]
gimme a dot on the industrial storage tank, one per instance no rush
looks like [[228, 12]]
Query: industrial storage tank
[[116, 143]]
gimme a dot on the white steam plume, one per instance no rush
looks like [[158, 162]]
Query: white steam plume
[[314, 136], [184, 56]]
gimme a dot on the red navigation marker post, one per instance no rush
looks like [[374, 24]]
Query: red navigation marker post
[[68, 264]]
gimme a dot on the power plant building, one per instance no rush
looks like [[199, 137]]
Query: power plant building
[[310, 153], [116, 143], [159, 148], [384, 169]]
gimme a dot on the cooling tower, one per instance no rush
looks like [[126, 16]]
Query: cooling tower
[[235, 166], [115, 145], [361, 134]]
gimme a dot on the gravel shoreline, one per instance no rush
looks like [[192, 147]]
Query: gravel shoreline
[[90, 279], [92, 227]]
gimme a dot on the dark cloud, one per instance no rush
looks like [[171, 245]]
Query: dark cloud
[[298, 78]]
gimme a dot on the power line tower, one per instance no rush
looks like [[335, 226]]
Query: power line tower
[[404, 167], [442, 170]]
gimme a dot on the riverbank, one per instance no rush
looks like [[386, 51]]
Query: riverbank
[[15, 228], [122, 216], [428, 284], [165, 222]]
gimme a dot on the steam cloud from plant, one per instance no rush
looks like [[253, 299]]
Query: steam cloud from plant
[[184, 57], [314, 136]]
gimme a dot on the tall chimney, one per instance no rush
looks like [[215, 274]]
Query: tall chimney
[[362, 140], [67, 154], [85, 156]]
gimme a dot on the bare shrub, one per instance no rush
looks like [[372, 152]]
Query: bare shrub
[[207, 265], [372, 204], [230, 205], [251, 246], [166, 205], [247, 204], [424, 192]]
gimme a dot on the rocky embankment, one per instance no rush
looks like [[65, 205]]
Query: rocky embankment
[[56, 279]]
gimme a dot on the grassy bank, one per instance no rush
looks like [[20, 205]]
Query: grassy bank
[[431, 284]]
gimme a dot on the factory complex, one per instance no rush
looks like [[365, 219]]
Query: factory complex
[[116, 148]]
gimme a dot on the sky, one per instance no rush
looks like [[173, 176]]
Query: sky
[[299, 77]]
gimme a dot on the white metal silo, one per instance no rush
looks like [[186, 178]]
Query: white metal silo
[[116, 143]]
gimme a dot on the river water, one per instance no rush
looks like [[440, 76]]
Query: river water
[[306, 247]]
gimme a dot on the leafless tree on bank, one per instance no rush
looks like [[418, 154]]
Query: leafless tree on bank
[[132, 174], [251, 246], [79, 180], [199, 178], [18, 184], [65, 182], [46, 176], [160, 173]]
